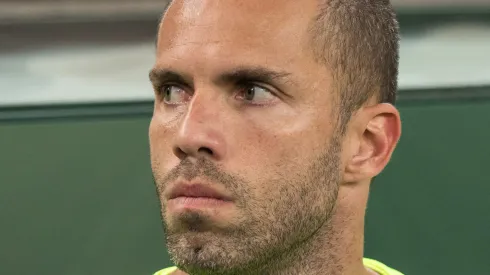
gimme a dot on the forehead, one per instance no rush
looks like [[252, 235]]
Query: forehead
[[270, 31]]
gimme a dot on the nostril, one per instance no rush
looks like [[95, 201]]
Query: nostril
[[183, 152], [180, 153], [205, 150]]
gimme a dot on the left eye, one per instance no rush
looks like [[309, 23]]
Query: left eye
[[255, 94], [172, 94]]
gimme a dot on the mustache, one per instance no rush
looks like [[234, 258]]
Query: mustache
[[202, 168]]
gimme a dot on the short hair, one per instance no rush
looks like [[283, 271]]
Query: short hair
[[358, 40]]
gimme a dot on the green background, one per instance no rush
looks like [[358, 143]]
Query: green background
[[77, 197]]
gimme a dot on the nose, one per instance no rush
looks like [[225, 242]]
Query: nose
[[200, 133]]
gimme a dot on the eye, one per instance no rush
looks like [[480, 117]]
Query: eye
[[255, 94], [172, 94]]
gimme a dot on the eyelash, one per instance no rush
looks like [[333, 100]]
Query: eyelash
[[161, 87], [248, 84], [240, 86]]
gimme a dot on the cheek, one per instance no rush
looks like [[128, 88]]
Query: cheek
[[157, 135], [272, 154], [275, 144], [266, 158], [160, 146]]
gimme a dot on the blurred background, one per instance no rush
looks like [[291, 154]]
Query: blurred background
[[76, 192]]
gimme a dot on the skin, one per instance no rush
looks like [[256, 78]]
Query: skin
[[299, 188]]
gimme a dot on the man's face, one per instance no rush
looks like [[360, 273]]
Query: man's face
[[241, 108]]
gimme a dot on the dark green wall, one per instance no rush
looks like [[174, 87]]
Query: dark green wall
[[77, 197]]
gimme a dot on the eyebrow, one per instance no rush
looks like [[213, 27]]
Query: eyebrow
[[237, 75], [159, 76], [253, 74]]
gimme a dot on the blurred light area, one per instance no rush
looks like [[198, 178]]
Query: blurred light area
[[77, 75], [446, 56]]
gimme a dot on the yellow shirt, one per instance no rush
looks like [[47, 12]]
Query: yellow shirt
[[376, 266]]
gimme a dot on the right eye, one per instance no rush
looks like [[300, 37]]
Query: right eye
[[172, 94]]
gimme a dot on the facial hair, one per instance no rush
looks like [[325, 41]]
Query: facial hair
[[268, 228]]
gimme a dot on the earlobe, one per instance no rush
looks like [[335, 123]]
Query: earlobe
[[380, 130]]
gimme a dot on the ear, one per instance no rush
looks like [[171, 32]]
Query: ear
[[375, 131]]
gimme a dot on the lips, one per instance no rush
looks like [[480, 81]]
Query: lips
[[196, 190]]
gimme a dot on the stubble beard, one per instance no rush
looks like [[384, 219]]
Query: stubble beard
[[269, 234]]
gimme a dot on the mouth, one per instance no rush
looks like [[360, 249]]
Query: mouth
[[196, 190], [195, 196]]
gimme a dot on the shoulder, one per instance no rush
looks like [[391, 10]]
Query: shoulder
[[379, 267], [166, 271]]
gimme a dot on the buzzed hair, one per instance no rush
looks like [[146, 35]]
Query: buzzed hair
[[358, 40]]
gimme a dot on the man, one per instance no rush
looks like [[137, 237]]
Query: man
[[271, 119]]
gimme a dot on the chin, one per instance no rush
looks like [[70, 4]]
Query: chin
[[204, 252], [202, 244]]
